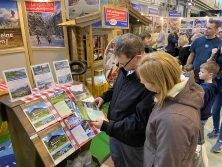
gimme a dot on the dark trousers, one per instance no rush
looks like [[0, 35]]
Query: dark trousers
[[124, 155]]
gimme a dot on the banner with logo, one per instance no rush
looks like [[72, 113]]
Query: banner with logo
[[113, 17]]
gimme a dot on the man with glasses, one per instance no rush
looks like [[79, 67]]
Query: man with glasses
[[130, 106]]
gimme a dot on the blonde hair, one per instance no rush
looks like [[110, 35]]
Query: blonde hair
[[162, 70], [211, 67], [183, 40]]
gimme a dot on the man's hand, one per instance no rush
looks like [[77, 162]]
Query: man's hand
[[99, 101], [214, 51], [98, 123]]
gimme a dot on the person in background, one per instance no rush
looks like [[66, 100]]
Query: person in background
[[202, 47], [195, 36], [172, 42], [207, 72], [38, 39], [146, 38], [217, 131], [185, 49], [220, 34], [173, 127], [161, 38], [130, 106], [195, 31], [49, 40]]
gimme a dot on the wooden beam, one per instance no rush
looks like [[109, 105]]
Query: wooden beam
[[68, 23], [87, 23]]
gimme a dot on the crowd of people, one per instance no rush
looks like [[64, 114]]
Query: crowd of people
[[158, 105]]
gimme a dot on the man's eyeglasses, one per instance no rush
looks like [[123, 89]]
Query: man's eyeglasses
[[120, 64]]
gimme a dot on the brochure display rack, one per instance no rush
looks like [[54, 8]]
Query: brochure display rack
[[48, 147]]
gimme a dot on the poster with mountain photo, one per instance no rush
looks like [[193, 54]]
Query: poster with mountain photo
[[43, 19], [10, 30]]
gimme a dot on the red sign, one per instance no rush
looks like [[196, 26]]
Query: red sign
[[118, 15], [45, 7]]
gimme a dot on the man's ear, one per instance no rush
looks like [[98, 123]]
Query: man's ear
[[139, 57]]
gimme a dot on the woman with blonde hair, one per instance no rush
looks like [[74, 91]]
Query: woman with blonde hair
[[184, 52], [173, 127]]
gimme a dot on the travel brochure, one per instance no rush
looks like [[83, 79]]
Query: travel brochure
[[89, 111], [62, 103], [80, 91], [75, 126], [18, 84], [43, 77], [38, 113], [56, 143], [63, 72]]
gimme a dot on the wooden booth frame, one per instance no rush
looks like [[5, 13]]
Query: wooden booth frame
[[82, 26]]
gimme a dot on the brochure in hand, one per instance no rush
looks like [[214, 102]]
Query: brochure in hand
[[38, 114], [79, 129], [89, 111]]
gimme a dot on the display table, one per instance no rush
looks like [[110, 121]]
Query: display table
[[28, 149]]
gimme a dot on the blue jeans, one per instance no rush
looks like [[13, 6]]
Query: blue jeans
[[216, 112], [203, 122], [124, 155]]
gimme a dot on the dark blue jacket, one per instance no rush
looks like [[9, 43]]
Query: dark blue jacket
[[211, 90], [129, 110], [172, 40]]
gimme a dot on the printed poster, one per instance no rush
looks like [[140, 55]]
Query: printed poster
[[43, 19], [156, 22], [174, 22], [200, 23], [10, 30], [115, 17], [56, 143], [63, 72], [186, 31], [165, 22], [80, 91], [18, 83], [38, 113], [78, 8], [187, 23], [43, 77]]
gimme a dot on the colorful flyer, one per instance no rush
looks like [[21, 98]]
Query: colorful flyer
[[38, 114], [18, 83], [62, 103], [56, 143], [43, 77], [63, 72]]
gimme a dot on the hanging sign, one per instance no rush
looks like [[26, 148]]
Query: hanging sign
[[46, 7], [174, 14], [152, 11], [136, 7], [113, 17]]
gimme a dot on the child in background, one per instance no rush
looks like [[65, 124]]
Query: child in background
[[207, 72], [146, 38]]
